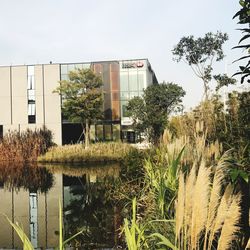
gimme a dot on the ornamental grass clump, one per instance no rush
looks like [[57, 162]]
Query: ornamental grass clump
[[207, 211], [99, 152], [25, 146]]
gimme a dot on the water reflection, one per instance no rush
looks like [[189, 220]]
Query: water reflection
[[29, 195], [87, 205], [28, 177]]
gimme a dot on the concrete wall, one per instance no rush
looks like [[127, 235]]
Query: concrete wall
[[14, 100]]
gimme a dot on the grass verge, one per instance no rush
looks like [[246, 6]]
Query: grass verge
[[99, 152]]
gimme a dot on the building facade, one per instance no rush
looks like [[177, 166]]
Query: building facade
[[27, 99]]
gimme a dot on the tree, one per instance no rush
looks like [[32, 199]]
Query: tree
[[200, 54], [151, 111], [244, 18], [82, 98]]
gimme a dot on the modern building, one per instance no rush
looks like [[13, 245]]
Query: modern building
[[27, 99]]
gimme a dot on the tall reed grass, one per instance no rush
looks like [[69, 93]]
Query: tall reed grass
[[25, 146], [99, 152], [207, 211]]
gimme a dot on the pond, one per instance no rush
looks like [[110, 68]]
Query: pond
[[30, 196]]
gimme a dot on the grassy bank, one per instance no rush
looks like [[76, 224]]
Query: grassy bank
[[99, 152]]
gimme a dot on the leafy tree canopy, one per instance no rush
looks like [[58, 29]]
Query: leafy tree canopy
[[200, 53], [82, 98], [151, 111], [244, 18]]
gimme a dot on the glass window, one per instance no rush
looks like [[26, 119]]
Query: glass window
[[124, 108], [124, 95], [116, 132], [99, 132], [124, 82], [64, 77], [133, 94], [31, 119], [133, 86], [141, 81], [31, 94], [86, 66], [92, 132], [31, 82], [31, 109], [78, 66], [31, 70], [64, 69], [107, 132], [71, 67]]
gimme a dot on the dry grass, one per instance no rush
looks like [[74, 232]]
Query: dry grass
[[205, 215], [99, 152], [25, 146]]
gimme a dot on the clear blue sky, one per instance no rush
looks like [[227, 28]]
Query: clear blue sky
[[80, 30]]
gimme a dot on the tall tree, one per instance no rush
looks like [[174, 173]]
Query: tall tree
[[244, 18], [82, 98], [200, 54], [151, 111]]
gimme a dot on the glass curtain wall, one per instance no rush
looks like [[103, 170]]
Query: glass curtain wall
[[109, 72]]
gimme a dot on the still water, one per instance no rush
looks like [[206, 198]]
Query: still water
[[30, 196]]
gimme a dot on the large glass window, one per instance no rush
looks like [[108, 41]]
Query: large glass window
[[124, 95], [124, 105], [124, 82], [116, 132], [71, 67], [141, 81], [64, 69], [99, 132], [107, 129], [133, 94], [133, 86]]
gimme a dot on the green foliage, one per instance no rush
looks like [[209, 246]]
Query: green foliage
[[164, 241], [82, 98], [200, 53], [23, 237], [223, 80], [244, 18], [134, 235], [161, 173], [151, 111]]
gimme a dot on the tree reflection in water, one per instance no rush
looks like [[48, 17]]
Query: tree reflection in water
[[87, 205], [30, 177]]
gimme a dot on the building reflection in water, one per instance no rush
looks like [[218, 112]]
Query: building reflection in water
[[30, 194]]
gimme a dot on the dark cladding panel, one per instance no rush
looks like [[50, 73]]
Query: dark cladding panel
[[116, 110], [115, 76], [107, 106]]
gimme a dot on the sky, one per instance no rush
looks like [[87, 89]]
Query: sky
[[78, 30]]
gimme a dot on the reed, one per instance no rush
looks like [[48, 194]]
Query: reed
[[134, 234], [25, 146], [99, 152], [206, 215]]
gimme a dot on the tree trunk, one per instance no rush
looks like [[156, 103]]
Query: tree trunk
[[87, 134], [206, 89]]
